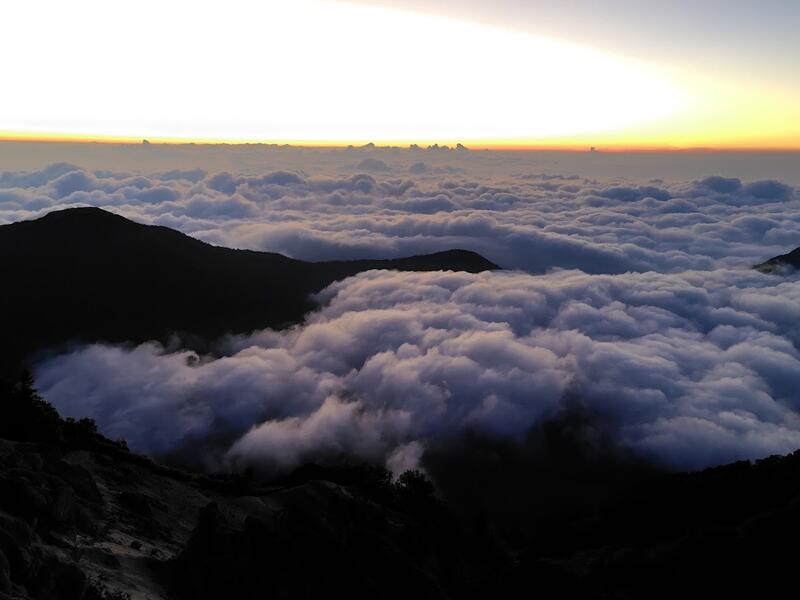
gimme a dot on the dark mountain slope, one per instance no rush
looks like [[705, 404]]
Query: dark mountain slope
[[81, 518], [778, 263], [85, 274]]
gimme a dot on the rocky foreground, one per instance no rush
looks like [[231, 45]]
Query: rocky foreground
[[99, 524], [82, 518]]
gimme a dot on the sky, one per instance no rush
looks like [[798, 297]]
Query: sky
[[506, 73]]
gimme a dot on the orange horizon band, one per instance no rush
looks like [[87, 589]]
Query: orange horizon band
[[475, 144]]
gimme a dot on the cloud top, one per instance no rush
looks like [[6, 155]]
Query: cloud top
[[690, 369], [648, 315], [527, 220]]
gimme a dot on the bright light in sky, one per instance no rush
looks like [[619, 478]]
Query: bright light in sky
[[307, 70]]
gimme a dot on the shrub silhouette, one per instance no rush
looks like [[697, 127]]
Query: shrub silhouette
[[416, 493], [24, 415]]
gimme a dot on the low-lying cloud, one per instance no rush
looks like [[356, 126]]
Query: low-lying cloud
[[648, 317], [689, 369], [382, 208]]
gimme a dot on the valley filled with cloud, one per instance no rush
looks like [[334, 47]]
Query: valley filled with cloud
[[629, 299]]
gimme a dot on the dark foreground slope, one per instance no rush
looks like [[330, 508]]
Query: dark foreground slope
[[81, 518], [782, 262], [85, 274]]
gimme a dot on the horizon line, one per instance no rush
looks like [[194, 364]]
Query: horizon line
[[474, 145]]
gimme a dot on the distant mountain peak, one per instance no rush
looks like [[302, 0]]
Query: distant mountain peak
[[79, 212], [784, 262], [81, 216]]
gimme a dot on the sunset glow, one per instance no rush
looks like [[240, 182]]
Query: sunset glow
[[326, 73]]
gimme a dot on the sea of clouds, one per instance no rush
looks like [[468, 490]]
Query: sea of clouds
[[370, 208], [689, 369], [632, 300]]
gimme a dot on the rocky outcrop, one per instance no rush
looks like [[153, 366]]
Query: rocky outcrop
[[80, 524]]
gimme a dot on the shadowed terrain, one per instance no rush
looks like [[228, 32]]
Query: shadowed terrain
[[81, 518], [84, 274]]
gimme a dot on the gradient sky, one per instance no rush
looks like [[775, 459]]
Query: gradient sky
[[758, 39], [611, 73]]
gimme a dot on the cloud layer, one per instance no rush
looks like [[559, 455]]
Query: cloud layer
[[689, 369], [365, 206], [648, 317]]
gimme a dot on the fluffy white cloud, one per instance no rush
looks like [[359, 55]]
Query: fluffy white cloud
[[324, 206], [689, 369], [661, 330]]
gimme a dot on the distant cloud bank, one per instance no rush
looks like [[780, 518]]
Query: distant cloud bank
[[527, 220]]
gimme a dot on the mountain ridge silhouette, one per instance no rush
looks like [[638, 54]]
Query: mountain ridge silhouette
[[86, 274]]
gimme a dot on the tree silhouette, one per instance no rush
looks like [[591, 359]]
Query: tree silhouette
[[24, 415]]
